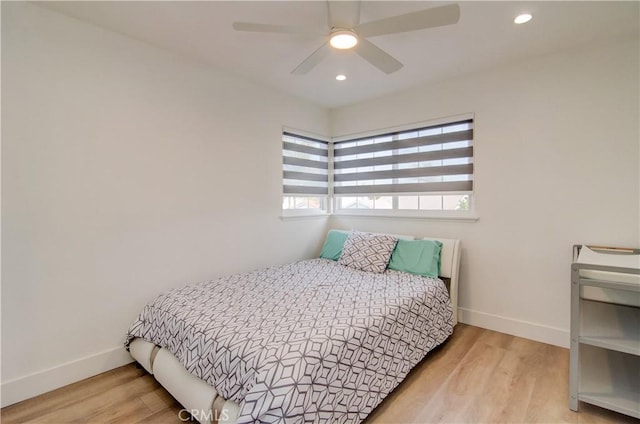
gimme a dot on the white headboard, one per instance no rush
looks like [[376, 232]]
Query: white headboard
[[450, 268]]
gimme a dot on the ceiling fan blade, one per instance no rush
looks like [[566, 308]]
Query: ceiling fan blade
[[343, 14], [280, 29], [376, 56], [310, 62], [428, 18]]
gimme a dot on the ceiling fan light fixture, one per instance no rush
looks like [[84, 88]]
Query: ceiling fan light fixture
[[346, 32], [343, 39]]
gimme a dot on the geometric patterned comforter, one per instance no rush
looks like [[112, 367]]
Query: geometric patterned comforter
[[309, 342]]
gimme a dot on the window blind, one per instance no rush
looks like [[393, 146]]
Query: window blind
[[435, 159], [305, 165]]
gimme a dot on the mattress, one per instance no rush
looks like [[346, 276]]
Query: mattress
[[603, 258], [313, 341]]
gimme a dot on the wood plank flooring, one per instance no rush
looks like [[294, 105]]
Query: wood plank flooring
[[478, 376]]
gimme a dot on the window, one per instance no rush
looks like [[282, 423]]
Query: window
[[305, 174], [423, 170]]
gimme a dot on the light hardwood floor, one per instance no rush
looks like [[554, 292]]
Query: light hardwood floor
[[478, 376]]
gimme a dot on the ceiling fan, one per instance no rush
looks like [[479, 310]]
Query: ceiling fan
[[346, 32]]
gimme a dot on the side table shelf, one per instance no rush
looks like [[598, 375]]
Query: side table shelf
[[605, 335]]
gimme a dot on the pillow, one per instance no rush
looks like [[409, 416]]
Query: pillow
[[421, 257], [367, 252], [332, 248]]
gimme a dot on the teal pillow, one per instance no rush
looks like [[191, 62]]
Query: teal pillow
[[421, 257], [332, 248]]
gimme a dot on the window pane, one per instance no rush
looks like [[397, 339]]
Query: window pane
[[383, 202], [431, 203], [347, 202], [408, 202], [365, 202], [303, 202], [313, 203], [458, 203]]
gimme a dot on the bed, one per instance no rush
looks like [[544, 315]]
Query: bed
[[313, 341]]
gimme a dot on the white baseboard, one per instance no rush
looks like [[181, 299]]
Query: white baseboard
[[529, 330], [40, 382]]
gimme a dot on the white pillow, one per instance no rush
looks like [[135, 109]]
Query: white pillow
[[367, 252]]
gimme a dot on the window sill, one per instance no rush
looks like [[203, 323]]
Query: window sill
[[387, 215], [409, 216], [308, 215]]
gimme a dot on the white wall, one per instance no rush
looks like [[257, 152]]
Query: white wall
[[126, 170], [116, 184], [556, 163]]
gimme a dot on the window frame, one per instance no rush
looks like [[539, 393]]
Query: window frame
[[332, 202], [306, 212]]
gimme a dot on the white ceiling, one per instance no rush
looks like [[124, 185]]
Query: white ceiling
[[484, 37]]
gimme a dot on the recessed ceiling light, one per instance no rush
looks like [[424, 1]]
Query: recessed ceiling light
[[343, 39], [341, 77], [523, 19]]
